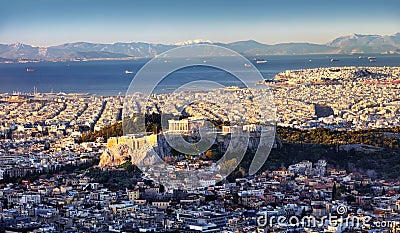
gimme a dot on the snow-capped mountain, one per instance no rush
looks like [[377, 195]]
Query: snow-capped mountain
[[355, 43]]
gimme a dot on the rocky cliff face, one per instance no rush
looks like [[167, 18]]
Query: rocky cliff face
[[122, 153], [150, 154], [116, 155]]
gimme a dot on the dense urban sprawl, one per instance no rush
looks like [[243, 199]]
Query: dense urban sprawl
[[39, 138]]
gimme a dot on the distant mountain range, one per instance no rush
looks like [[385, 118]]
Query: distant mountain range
[[355, 43]]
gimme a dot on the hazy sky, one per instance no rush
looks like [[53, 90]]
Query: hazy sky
[[51, 22]]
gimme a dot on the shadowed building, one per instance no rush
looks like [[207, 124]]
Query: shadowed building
[[322, 110]]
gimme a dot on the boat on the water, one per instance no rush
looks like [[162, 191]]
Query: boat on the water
[[334, 59], [372, 59], [260, 61], [30, 70], [128, 72]]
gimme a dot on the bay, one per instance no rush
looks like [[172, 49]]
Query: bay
[[109, 77]]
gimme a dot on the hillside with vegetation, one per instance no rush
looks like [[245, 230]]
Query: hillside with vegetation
[[386, 138], [375, 151]]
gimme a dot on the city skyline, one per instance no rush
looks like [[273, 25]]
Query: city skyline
[[45, 23], [285, 117]]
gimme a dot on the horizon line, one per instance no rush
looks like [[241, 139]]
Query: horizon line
[[193, 40]]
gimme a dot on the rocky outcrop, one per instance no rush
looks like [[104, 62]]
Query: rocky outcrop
[[122, 153], [116, 155]]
